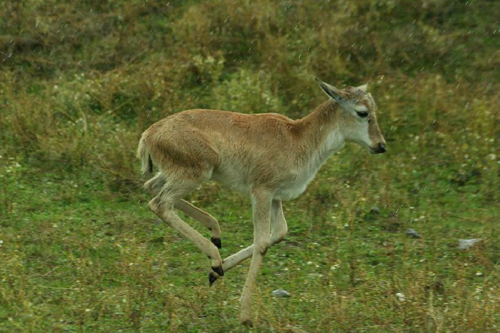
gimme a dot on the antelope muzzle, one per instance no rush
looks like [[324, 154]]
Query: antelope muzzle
[[379, 148]]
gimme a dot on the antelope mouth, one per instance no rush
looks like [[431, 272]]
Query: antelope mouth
[[379, 149]]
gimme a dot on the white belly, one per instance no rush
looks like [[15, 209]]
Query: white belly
[[238, 181], [234, 177], [291, 192]]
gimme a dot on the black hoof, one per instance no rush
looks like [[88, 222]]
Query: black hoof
[[218, 270], [212, 277], [217, 242]]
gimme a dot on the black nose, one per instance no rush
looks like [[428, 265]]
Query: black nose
[[380, 148]]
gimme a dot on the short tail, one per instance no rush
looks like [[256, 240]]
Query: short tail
[[144, 155]]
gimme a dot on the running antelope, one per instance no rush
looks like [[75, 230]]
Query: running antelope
[[268, 156]]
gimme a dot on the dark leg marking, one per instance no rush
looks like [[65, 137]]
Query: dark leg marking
[[212, 277], [218, 270], [217, 242]]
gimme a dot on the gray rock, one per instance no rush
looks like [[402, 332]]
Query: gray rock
[[280, 293], [464, 244], [412, 233]]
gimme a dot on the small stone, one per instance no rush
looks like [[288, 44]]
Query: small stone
[[412, 233], [280, 293], [375, 210], [465, 244]]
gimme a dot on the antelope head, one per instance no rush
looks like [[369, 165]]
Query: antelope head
[[358, 121]]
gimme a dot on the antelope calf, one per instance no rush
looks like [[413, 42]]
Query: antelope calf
[[268, 156]]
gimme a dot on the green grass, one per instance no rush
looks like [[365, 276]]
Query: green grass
[[79, 257], [79, 82]]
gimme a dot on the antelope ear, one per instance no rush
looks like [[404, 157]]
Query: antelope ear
[[331, 91], [363, 88]]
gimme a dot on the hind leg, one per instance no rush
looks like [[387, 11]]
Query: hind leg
[[163, 206], [206, 219], [155, 185]]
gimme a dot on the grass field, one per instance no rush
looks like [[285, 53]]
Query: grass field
[[79, 82]]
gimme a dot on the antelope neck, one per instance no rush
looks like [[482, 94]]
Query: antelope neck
[[321, 128]]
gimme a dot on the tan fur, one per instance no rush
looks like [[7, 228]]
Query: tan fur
[[268, 156]]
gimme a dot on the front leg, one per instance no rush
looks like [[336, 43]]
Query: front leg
[[278, 233], [261, 202]]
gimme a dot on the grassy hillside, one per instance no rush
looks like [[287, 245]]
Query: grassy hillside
[[79, 82]]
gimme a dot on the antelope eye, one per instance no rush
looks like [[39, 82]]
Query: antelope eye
[[362, 114]]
